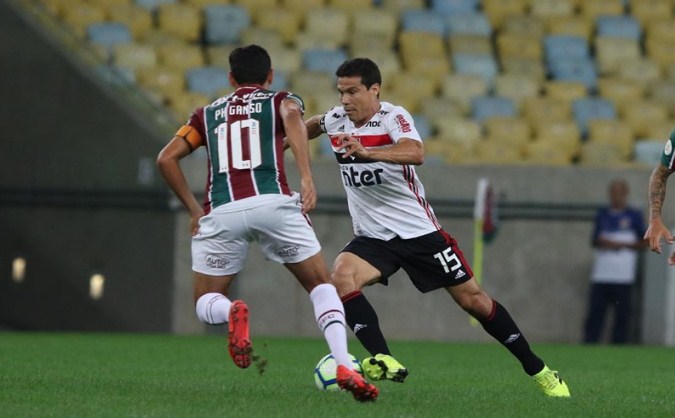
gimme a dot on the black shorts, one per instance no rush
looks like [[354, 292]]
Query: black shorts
[[432, 261]]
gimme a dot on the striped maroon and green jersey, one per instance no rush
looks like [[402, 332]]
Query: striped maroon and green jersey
[[243, 133]]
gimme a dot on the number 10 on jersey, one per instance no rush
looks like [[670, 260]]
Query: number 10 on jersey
[[230, 140]]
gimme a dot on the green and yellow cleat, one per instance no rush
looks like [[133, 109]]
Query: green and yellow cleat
[[382, 367], [551, 383]]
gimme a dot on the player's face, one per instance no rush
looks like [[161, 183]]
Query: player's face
[[360, 102]]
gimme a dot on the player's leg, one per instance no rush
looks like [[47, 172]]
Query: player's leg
[[497, 321], [329, 313], [595, 317]]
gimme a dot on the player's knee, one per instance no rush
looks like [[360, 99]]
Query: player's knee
[[477, 304]]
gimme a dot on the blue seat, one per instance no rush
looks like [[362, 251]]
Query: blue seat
[[422, 21], [207, 80], [323, 60], [279, 82], [223, 23], [589, 108], [152, 5], [565, 47], [482, 65], [468, 24], [109, 34], [648, 151], [422, 125], [447, 7], [577, 70], [625, 27], [483, 107]]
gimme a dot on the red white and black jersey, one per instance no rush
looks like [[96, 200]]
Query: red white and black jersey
[[243, 133], [385, 200]]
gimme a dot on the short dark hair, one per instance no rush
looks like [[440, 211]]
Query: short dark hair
[[361, 67], [250, 64]]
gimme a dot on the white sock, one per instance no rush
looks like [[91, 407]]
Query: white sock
[[213, 308], [330, 315]]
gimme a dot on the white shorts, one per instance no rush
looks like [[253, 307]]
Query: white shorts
[[275, 221]]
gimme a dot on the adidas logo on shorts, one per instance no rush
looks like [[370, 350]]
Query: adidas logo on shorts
[[460, 274]]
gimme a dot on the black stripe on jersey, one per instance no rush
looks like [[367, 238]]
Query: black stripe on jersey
[[351, 159]]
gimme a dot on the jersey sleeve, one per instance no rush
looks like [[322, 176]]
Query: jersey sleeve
[[193, 130], [667, 156], [297, 98], [400, 124]]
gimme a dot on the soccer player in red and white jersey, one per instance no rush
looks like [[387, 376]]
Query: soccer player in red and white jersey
[[248, 199], [377, 147]]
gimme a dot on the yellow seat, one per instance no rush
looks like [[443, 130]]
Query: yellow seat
[[470, 44], [286, 59], [516, 131], [388, 63], [167, 82], [283, 21], [661, 29], [643, 113], [563, 134], [546, 109], [549, 10], [257, 8], [524, 25], [435, 108], [462, 88], [533, 68], [306, 82], [56, 7], [649, 11], [571, 25], [107, 4], [410, 87], [663, 92], [327, 23], [134, 56], [612, 131], [643, 71], [415, 45], [620, 91], [203, 3], [660, 129], [352, 7], [546, 153], [218, 55], [498, 153], [180, 56], [301, 7], [270, 38], [567, 91], [592, 9], [661, 51], [181, 20], [601, 154], [432, 68], [519, 45], [81, 15], [397, 6], [138, 19], [376, 22], [459, 132], [184, 104], [612, 52], [517, 86], [499, 10]]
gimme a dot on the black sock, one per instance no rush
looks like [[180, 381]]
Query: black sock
[[501, 327], [362, 319]]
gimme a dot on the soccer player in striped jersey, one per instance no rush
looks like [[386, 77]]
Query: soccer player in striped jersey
[[377, 147], [248, 199], [657, 196]]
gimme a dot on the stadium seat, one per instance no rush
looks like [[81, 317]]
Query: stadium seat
[[546, 109], [498, 10], [498, 153], [415, 45], [572, 26], [434, 68], [641, 114], [446, 7], [422, 125], [470, 44], [207, 80], [492, 106], [180, 56], [283, 21], [463, 87], [459, 132], [256, 8], [168, 83], [306, 82], [613, 131], [378, 22], [286, 59], [134, 55], [419, 20], [106, 4], [298, 7], [481, 65], [435, 108], [532, 68], [270, 38], [601, 154], [183, 105], [363, 44], [223, 24], [623, 27], [620, 91], [663, 92], [138, 20], [524, 25], [411, 88], [595, 8], [398, 6], [587, 109], [648, 152], [389, 63], [562, 48], [152, 5], [517, 87], [661, 29], [661, 51], [546, 153], [551, 9], [352, 7], [279, 81], [328, 23], [565, 91], [564, 135], [659, 129], [79, 16], [468, 24], [108, 34], [581, 71], [218, 55], [181, 20], [516, 45], [509, 130], [643, 71], [648, 12], [611, 53], [323, 60]]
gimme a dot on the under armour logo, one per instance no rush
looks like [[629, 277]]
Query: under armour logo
[[359, 327], [512, 338]]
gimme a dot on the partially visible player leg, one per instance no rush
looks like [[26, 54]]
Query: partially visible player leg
[[329, 314], [497, 321], [350, 274], [213, 307]]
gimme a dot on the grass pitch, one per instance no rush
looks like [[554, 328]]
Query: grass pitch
[[138, 375]]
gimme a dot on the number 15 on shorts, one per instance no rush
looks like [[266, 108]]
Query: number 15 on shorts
[[448, 259]]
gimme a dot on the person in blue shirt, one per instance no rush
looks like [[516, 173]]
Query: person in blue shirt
[[617, 240]]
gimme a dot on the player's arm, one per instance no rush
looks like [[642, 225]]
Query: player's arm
[[168, 163], [313, 125], [296, 138], [657, 195], [405, 151]]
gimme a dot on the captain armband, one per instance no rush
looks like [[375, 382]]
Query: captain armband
[[190, 136]]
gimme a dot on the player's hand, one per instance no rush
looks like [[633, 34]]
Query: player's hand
[[655, 232], [307, 195], [194, 222], [352, 147]]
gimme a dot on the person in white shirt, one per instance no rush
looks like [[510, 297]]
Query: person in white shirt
[[377, 148]]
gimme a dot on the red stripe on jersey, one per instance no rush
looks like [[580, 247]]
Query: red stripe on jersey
[[409, 176], [365, 140]]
